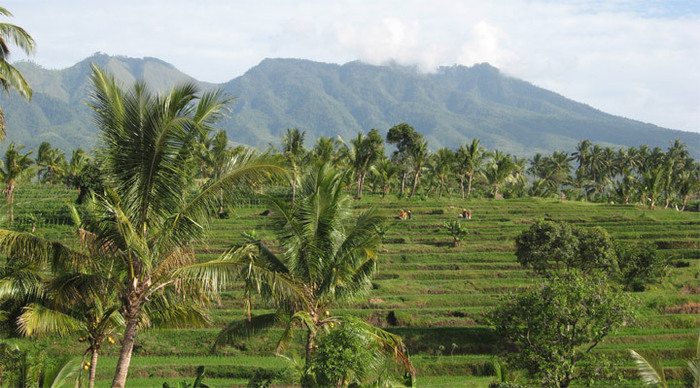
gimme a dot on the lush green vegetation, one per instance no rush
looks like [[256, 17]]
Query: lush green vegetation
[[170, 234], [432, 294]]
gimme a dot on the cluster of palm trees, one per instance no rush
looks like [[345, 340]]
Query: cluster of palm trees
[[164, 175], [625, 175]]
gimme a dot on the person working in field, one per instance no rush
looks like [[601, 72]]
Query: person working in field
[[466, 214]]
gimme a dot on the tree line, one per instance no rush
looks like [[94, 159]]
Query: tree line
[[641, 175]]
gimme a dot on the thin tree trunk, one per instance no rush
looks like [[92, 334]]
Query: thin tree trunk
[[10, 198], [461, 185], [93, 367], [469, 185], [310, 338], [127, 347], [416, 177], [403, 183]]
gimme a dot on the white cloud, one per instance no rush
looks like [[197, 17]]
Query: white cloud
[[633, 58]]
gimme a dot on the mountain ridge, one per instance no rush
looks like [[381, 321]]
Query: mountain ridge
[[451, 105]]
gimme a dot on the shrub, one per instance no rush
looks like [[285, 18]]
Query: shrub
[[455, 229], [344, 356], [549, 330], [640, 264]]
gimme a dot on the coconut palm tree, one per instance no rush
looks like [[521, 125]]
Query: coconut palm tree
[[419, 156], [15, 167], [51, 163], [498, 171], [324, 255], [10, 77], [363, 153], [469, 162], [154, 209], [295, 154], [385, 171], [441, 164]]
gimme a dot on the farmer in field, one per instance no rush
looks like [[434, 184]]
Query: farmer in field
[[409, 214]]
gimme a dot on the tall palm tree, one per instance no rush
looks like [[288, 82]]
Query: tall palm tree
[[498, 171], [10, 77], [441, 164], [419, 158], [294, 152], [385, 171], [65, 291], [51, 163], [364, 152], [15, 167], [324, 255], [470, 158], [154, 209]]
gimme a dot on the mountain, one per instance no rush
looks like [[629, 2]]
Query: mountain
[[450, 106]]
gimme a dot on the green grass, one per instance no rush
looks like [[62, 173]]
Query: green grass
[[438, 293]]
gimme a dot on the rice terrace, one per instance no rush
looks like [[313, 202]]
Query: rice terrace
[[374, 224]]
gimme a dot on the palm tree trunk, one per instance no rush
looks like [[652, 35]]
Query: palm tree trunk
[[461, 184], [10, 199], [403, 183], [358, 194], [93, 367], [132, 320], [469, 185], [416, 177], [310, 338]]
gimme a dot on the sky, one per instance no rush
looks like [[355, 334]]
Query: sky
[[634, 58]]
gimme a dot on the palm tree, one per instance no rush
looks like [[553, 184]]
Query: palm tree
[[469, 161], [385, 171], [15, 167], [498, 171], [363, 154], [326, 150], [154, 209], [324, 255], [294, 152], [51, 163], [81, 295], [441, 164], [419, 158], [10, 77]]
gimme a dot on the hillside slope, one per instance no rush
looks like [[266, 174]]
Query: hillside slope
[[449, 106]]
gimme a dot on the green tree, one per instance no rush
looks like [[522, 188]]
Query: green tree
[[154, 209], [10, 77], [325, 255], [456, 231], [498, 171], [640, 264], [385, 172], [550, 330], [364, 153], [13, 169], [408, 143], [51, 163], [440, 165], [568, 246], [470, 158], [295, 154]]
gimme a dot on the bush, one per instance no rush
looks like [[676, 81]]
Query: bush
[[640, 264], [343, 356], [549, 330]]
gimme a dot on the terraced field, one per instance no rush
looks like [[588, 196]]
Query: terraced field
[[431, 293]]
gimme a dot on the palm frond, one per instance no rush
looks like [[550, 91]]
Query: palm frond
[[64, 374], [11, 78], [39, 250], [648, 372], [37, 319]]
